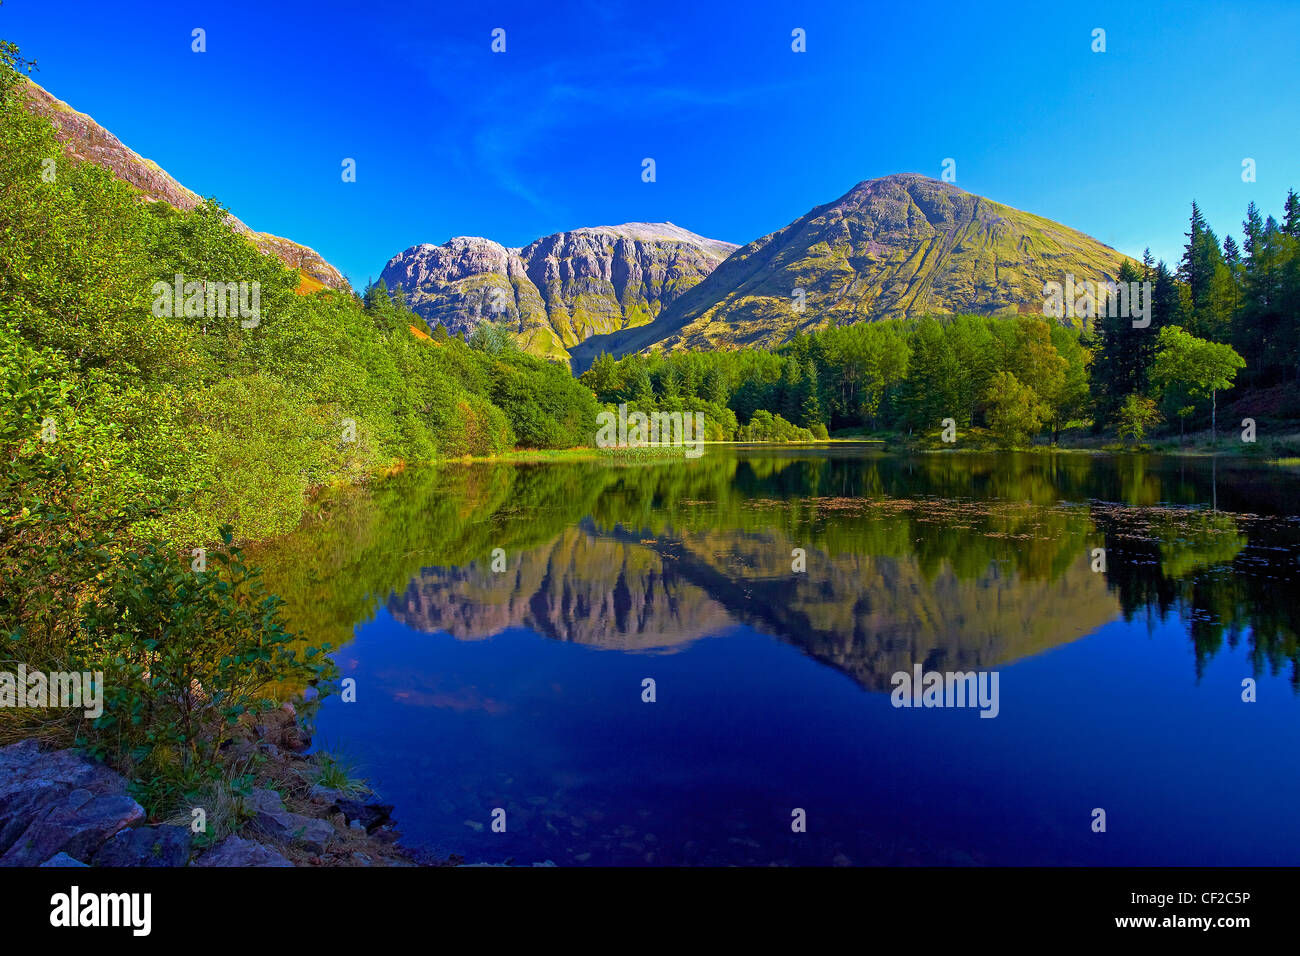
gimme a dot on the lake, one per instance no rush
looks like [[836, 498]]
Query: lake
[[501, 621]]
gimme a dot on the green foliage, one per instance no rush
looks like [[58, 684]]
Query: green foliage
[[1136, 415], [185, 655], [196, 422], [1014, 411], [765, 426]]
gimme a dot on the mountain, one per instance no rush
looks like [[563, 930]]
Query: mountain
[[900, 246], [559, 289], [85, 139]]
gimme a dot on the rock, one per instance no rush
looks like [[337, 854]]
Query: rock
[[325, 795], [271, 750], [236, 851], [295, 738], [145, 846], [62, 859], [371, 815], [356, 825], [58, 801], [271, 818]]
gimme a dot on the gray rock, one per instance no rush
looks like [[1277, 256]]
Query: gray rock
[[271, 818], [371, 815], [58, 801], [62, 859], [236, 851], [145, 846], [325, 795]]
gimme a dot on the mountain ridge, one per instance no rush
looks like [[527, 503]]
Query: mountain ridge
[[900, 246], [85, 139]]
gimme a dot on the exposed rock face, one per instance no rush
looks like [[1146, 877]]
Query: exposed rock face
[[145, 846], [85, 139], [560, 289], [900, 246], [236, 851], [58, 802]]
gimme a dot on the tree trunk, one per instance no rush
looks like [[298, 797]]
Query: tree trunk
[[1214, 416]]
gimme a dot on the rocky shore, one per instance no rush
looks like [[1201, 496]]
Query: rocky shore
[[61, 808]]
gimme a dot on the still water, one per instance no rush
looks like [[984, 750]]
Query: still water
[[1119, 689]]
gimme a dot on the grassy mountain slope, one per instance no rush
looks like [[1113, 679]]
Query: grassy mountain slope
[[899, 246]]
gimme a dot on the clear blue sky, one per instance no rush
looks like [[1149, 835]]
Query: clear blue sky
[[451, 139]]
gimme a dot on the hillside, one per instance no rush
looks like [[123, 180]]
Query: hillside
[[85, 139], [900, 246]]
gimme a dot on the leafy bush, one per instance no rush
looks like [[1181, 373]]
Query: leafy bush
[[765, 426], [185, 653]]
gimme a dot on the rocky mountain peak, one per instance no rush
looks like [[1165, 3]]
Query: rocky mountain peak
[[559, 289]]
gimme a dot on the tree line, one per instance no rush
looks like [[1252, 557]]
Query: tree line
[[1227, 315]]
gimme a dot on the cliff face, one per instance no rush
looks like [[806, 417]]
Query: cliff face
[[86, 140], [896, 247], [560, 289]]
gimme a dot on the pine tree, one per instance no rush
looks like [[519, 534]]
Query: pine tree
[[789, 390], [1208, 281], [1291, 222], [810, 406]]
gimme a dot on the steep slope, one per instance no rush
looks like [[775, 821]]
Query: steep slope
[[85, 139], [559, 289], [900, 246]]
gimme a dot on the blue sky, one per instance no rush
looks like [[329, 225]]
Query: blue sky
[[452, 139]]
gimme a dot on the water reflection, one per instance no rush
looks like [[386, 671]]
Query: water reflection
[[951, 561]]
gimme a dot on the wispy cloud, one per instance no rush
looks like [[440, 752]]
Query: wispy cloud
[[507, 115]]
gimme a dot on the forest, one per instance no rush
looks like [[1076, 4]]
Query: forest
[[1225, 316]]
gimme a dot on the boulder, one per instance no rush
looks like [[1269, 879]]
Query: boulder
[[371, 815], [58, 801], [271, 818], [62, 859], [236, 851], [145, 846]]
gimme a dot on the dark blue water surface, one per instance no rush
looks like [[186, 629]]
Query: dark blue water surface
[[521, 689]]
